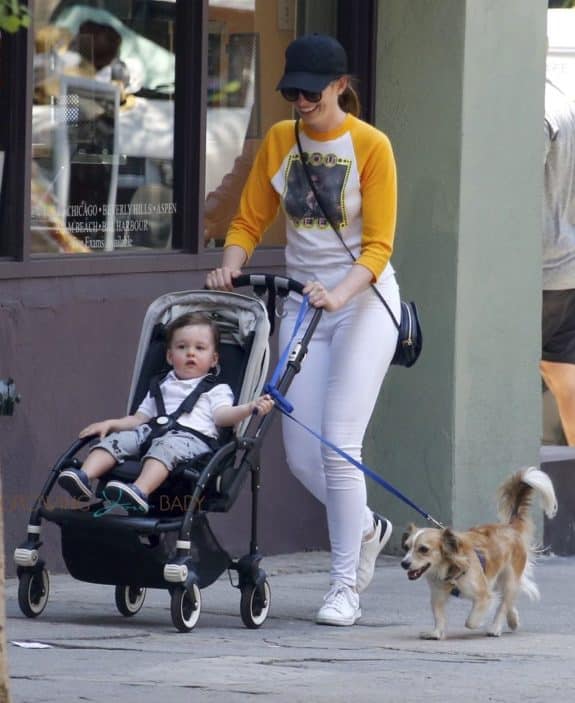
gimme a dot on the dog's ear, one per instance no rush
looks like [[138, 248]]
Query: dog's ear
[[449, 542], [406, 535], [454, 555]]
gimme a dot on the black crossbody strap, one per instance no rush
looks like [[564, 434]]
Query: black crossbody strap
[[330, 220]]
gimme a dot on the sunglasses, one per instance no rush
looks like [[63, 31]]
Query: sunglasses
[[292, 94]]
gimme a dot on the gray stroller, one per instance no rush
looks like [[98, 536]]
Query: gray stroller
[[173, 546]]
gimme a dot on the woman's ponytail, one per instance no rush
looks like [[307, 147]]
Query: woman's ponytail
[[349, 101]]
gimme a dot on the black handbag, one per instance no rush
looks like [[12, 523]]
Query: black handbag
[[409, 334]]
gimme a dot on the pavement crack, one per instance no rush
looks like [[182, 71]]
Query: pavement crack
[[433, 657], [318, 660], [121, 636], [63, 645]]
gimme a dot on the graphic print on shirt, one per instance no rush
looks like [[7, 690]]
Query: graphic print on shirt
[[329, 174]]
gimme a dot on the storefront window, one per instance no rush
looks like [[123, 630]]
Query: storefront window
[[103, 126], [242, 101], [103, 118]]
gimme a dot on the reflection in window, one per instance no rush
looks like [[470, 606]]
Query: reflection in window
[[103, 119], [246, 44]]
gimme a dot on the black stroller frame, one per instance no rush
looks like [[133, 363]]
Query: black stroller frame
[[177, 551]]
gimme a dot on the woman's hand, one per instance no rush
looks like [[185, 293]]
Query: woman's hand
[[97, 428], [221, 279], [320, 297], [232, 261], [354, 283]]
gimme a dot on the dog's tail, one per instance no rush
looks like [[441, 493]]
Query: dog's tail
[[515, 498], [516, 495]]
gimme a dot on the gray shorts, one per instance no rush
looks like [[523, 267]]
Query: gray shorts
[[558, 326], [173, 447]]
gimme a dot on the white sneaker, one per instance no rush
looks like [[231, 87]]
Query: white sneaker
[[370, 550], [341, 606]]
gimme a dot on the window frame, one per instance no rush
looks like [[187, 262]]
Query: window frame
[[188, 253], [17, 50], [357, 31]]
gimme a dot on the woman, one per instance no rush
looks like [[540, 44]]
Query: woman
[[353, 169]]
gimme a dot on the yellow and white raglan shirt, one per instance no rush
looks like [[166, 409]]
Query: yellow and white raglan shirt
[[353, 169]]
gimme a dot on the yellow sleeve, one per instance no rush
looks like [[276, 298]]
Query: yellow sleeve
[[259, 202], [378, 182]]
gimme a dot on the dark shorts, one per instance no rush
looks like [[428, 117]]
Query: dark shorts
[[558, 326]]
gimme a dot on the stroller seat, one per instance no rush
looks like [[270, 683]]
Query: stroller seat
[[173, 496]]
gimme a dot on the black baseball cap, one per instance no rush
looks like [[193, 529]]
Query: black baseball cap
[[312, 62]]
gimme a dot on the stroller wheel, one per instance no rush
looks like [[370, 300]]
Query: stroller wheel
[[33, 592], [185, 609], [130, 599], [255, 605]]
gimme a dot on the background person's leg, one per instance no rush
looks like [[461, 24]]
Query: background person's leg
[[558, 354], [560, 379]]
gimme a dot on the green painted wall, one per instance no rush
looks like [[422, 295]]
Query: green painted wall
[[460, 87]]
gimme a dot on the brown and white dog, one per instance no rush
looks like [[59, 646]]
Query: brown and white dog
[[487, 559]]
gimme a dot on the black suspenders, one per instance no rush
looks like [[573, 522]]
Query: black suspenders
[[163, 423]]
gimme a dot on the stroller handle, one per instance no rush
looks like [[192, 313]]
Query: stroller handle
[[268, 281]]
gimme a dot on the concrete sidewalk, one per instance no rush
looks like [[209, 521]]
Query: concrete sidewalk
[[96, 654]]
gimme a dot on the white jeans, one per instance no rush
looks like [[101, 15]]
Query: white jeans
[[335, 394]]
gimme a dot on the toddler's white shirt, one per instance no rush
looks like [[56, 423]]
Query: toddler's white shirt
[[175, 391]]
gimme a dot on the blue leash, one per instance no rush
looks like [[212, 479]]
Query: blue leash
[[271, 386], [287, 408], [366, 470]]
